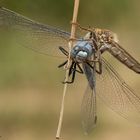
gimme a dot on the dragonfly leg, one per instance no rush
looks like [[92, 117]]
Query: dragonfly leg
[[99, 70], [63, 51], [64, 63], [80, 69], [72, 72], [90, 65], [71, 68]]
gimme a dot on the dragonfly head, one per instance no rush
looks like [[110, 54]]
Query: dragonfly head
[[81, 51]]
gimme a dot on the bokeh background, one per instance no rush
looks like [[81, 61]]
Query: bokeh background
[[30, 83]]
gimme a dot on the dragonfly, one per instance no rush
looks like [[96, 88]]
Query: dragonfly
[[86, 58]]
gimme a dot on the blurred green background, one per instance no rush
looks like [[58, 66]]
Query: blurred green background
[[30, 83]]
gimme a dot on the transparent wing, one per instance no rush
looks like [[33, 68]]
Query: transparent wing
[[88, 108], [42, 38], [117, 95]]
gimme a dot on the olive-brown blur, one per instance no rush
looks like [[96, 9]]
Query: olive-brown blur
[[31, 84]]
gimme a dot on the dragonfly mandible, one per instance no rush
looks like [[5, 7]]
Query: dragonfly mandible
[[86, 57]]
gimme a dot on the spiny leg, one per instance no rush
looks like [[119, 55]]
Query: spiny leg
[[70, 72], [90, 65], [63, 51], [99, 71], [64, 63], [73, 72], [80, 69], [71, 68]]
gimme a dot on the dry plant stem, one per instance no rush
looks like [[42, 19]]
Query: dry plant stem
[[70, 45]]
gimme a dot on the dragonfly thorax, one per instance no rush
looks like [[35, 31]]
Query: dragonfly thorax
[[82, 51]]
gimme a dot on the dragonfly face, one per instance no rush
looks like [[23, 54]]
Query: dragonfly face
[[82, 51]]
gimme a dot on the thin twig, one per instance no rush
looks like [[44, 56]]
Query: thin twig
[[70, 45]]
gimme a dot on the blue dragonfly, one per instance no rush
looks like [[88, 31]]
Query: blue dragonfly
[[86, 58]]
